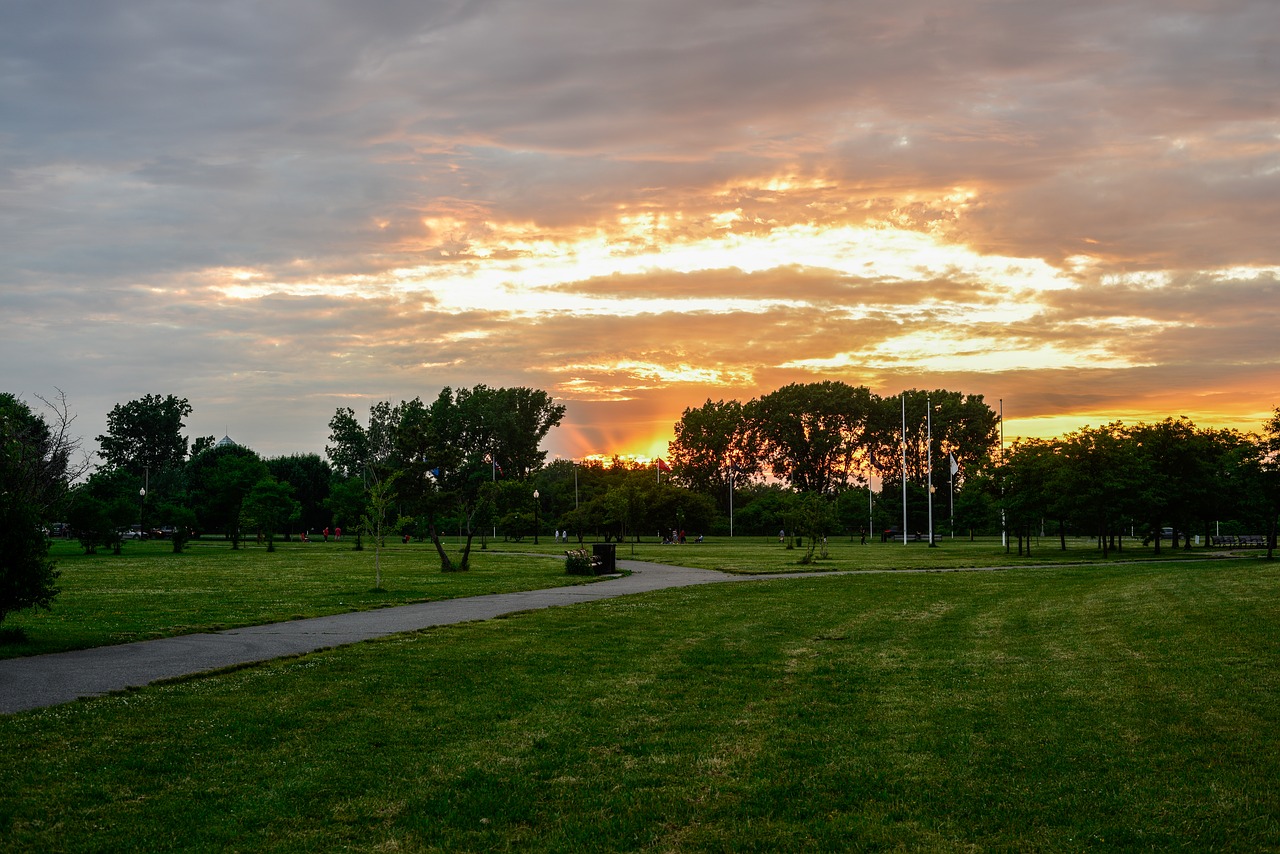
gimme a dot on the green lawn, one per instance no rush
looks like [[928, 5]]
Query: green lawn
[[1063, 709], [149, 592], [756, 555]]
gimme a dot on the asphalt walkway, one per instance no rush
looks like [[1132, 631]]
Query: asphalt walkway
[[47, 680]]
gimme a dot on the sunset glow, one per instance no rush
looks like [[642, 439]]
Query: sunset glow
[[1084, 230]]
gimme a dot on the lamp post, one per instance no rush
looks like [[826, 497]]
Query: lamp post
[[535, 516], [142, 513]]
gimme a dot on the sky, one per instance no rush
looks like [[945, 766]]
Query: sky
[[276, 209]]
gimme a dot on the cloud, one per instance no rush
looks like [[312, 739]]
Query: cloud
[[277, 209]]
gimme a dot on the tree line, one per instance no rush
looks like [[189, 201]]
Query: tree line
[[469, 463], [1170, 480]]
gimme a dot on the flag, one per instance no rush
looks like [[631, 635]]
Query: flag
[[662, 466], [955, 466]]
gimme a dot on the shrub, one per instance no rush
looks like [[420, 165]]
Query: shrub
[[577, 562]]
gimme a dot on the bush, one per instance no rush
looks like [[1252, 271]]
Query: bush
[[578, 562]]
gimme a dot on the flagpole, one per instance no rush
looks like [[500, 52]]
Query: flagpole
[[928, 441], [732, 471], [871, 509], [951, 492], [1004, 528], [904, 468]]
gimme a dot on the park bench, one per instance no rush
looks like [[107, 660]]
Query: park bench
[[1240, 541]]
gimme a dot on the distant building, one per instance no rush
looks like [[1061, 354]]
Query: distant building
[[226, 442]]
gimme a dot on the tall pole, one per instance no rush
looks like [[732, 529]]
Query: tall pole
[[929, 445], [575, 486], [951, 494], [732, 471], [904, 468], [871, 510], [1004, 528]]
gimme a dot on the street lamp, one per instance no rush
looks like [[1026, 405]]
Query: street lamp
[[142, 513], [535, 516]]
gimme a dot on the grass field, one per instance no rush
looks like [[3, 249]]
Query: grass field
[[149, 592], [1091, 707], [759, 555]]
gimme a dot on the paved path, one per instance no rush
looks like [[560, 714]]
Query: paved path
[[47, 680]]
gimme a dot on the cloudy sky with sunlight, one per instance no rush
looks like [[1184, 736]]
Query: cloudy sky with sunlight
[[277, 209]]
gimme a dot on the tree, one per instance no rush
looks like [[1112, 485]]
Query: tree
[[146, 434], [812, 435], [310, 476], [36, 466], [375, 520], [711, 444], [1268, 465], [766, 509], [101, 506], [813, 519], [1102, 479], [219, 480], [179, 517], [1033, 474], [348, 501], [268, 507], [521, 418]]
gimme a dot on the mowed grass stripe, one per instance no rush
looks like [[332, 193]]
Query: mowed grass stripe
[[1052, 709]]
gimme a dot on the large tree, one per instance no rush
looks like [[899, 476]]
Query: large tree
[[146, 434], [220, 480], [444, 453], [813, 435], [310, 476], [37, 462], [711, 449], [268, 508]]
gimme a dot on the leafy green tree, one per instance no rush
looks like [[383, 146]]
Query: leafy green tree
[[814, 519], [853, 512], [268, 507], [101, 506], [357, 450], [376, 521], [710, 443], [348, 501], [179, 517], [219, 481], [310, 476], [1103, 480], [521, 419], [1033, 474], [961, 424], [36, 465], [766, 509], [146, 434], [812, 435]]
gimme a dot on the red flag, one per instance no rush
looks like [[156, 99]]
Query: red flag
[[663, 466]]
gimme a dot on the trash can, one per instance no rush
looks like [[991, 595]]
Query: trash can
[[607, 554]]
